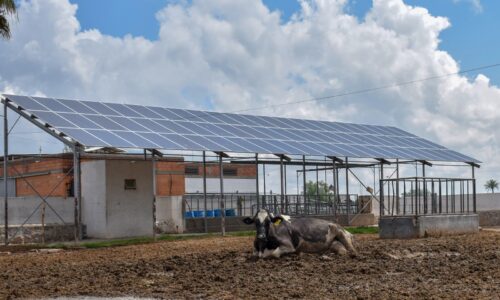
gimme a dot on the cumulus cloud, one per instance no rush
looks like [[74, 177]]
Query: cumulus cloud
[[233, 55]]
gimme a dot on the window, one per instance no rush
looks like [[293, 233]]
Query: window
[[190, 170], [130, 184], [230, 172]]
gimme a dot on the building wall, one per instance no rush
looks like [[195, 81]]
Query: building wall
[[231, 185], [108, 209], [129, 212], [170, 178], [169, 218], [94, 204], [243, 181], [20, 208], [44, 174]]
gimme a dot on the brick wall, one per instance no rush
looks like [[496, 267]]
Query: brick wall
[[170, 178], [242, 170], [44, 174]]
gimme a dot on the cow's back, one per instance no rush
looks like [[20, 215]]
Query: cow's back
[[311, 234]]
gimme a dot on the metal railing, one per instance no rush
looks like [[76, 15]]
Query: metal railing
[[427, 195], [237, 204]]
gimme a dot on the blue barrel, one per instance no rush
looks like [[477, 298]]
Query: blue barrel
[[188, 215], [217, 213], [210, 213], [230, 212], [199, 213]]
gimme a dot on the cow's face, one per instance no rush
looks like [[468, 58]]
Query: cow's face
[[262, 221]]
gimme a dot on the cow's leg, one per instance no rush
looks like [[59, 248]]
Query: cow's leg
[[344, 237], [281, 250], [338, 248], [285, 247]]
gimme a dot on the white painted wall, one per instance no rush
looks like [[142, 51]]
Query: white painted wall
[[94, 197], [20, 208], [488, 201], [110, 211], [129, 212], [169, 214], [231, 185]]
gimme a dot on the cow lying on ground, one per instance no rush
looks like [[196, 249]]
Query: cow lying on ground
[[279, 235]]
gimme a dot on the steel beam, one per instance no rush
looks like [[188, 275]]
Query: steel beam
[[205, 221], [222, 204], [474, 204], [6, 171], [257, 180], [348, 197], [305, 184]]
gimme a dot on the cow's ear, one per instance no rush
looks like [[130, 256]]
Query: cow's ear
[[248, 220], [278, 219]]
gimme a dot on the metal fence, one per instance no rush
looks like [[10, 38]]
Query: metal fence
[[246, 205], [426, 195]]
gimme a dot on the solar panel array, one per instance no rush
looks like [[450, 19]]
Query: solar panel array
[[98, 124]]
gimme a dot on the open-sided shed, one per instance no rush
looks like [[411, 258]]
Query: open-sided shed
[[258, 140]]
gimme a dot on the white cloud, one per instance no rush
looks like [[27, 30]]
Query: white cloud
[[475, 4], [232, 55]]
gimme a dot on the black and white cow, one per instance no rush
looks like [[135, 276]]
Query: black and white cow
[[278, 235]]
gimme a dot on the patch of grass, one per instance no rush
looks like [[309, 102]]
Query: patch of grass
[[173, 237], [362, 230]]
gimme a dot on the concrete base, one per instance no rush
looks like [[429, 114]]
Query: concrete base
[[407, 227], [34, 233]]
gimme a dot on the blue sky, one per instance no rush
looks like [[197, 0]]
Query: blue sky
[[473, 38]]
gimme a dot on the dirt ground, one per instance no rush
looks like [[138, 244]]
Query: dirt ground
[[222, 268]]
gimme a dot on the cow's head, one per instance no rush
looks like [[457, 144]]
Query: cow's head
[[263, 221]]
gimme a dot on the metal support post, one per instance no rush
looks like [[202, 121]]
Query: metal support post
[[282, 186], [473, 190], [257, 180], [153, 163], [348, 197], [317, 183], [6, 172], [397, 186], [264, 175], [381, 189], [286, 197], [205, 222], [222, 204], [424, 188], [334, 185], [304, 181], [77, 193]]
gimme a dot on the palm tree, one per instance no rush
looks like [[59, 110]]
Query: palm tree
[[7, 8], [491, 185]]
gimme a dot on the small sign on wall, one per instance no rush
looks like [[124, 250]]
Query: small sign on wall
[[130, 184]]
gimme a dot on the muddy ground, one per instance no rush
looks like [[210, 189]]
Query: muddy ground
[[457, 267]]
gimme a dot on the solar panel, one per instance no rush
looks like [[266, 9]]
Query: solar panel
[[98, 124]]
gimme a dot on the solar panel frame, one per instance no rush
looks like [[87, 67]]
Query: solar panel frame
[[136, 126]]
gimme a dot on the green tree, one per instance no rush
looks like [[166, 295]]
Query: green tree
[[7, 8], [312, 190], [491, 185]]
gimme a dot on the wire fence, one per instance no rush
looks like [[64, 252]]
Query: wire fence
[[237, 204], [425, 195]]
